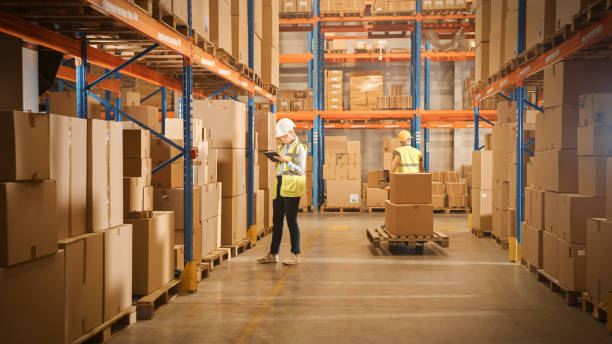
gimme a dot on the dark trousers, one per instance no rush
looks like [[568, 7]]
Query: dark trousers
[[285, 207]]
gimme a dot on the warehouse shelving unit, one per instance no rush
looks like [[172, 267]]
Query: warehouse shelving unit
[[415, 119], [189, 67], [593, 40]]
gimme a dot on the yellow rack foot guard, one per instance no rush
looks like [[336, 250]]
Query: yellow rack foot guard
[[189, 282]]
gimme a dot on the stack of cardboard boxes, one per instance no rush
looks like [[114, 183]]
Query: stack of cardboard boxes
[[137, 189], [342, 171], [270, 43], [384, 6], [295, 100], [483, 27], [438, 191], [389, 145], [397, 99], [265, 126], [482, 194], [221, 24], [375, 194], [456, 189], [443, 4], [296, 6], [365, 88], [408, 211], [205, 176], [334, 100], [570, 163], [341, 6]]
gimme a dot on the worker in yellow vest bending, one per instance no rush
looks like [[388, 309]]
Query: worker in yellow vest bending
[[406, 159]]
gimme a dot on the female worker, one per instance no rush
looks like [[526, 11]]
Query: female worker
[[289, 187]]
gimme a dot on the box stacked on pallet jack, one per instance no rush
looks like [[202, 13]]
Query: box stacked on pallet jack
[[342, 172], [265, 125], [375, 194], [408, 211], [569, 190], [389, 145]]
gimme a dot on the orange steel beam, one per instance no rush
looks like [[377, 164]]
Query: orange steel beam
[[426, 115], [396, 125], [295, 58], [400, 57], [585, 38], [311, 21], [67, 73], [437, 27]]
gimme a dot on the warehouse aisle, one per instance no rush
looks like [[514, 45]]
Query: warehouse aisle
[[345, 293]]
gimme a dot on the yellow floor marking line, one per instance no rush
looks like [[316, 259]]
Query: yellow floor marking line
[[264, 307], [338, 228]]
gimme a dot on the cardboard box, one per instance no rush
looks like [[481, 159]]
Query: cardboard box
[[343, 193], [25, 142], [565, 11], [537, 216], [353, 147], [387, 160], [335, 144], [609, 188], [65, 103], [482, 166], [173, 199], [162, 151], [456, 188], [501, 195], [376, 197], [594, 109], [211, 201], [438, 188], [410, 188], [179, 238], [265, 125], [269, 68], [592, 175], [532, 245], [501, 223], [408, 219], [133, 195], [136, 143], [104, 174], [540, 21], [562, 80], [117, 270], [170, 176], [84, 272], [152, 248], [374, 177], [267, 172], [23, 292], [482, 209], [438, 201], [572, 265], [137, 167], [240, 45], [28, 226], [482, 61], [450, 176], [201, 18], [573, 211], [226, 120], [211, 235], [551, 208], [511, 37], [559, 127], [68, 161], [550, 254], [221, 24], [231, 169], [233, 219], [147, 115], [457, 201], [598, 272], [174, 130], [483, 21], [593, 140], [389, 144], [559, 170], [212, 163]]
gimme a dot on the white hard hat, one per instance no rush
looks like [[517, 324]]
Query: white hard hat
[[284, 126]]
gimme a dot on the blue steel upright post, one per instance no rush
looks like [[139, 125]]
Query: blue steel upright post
[[310, 61], [81, 76], [316, 121], [520, 107], [426, 100], [252, 229], [416, 60]]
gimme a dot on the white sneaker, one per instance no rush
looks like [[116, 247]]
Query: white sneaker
[[293, 260], [269, 258]]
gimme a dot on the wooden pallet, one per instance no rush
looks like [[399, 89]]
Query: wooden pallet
[[529, 267], [147, 214], [148, 305], [377, 236], [110, 329], [393, 14], [335, 51], [165, 16], [376, 209], [145, 5], [342, 14], [204, 44], [592, 305], [341, 210], [216, 257], [203, 271], [293, 15], [481, 234], [270, 88], [571, 298], [503, 244], [226, 58], [307, 209], [445, 11], [240, 247], [452, 210]]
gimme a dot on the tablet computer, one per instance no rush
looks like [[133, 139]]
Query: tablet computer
[[272, 155]]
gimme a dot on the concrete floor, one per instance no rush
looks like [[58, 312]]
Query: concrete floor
[[345, 292]]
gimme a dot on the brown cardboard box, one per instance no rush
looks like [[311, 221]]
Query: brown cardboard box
[[221, 24], [376, 197], [456, 188], [389, 144], [565, 11], [562, 81], [457, 201], [240, 44], [65, 103], [532, 245], [501, 223], [174, 130], [335, 144], [68, 161], [511, 37], [374, 176], [437, 176], [152, 245], [501, 195], [233, 219], [483, 23], [179, 238], [231, 167], [540, 21], [482, 165], [25, 142], [438, 201], [387, 160], [201, 18], [173, 199], [212, 163], [572, 265], [450, 176], [598, 272], [117, 270], [551, 209], [148, 115], [329, 171], [410, 188], [573, 211], [437, 188], [408, 219], [270, 25], [592, 140], [211, 201], [482, 209], [170, 176], [342, 159], [595, 109], [538, 209], [353, 147], [179, 257], [354, 172], [211, 235], [226, 120], [592, 175], [482, 61], [28, 226], [609, 188], [84, 271], [162, 151], [23, 290], [104, 174], [137, 167], [550, 254], [528, 206], [560, 124], [269, 68], [343, 193], [133, 195], [342, 171], [267, 172], [265, 125], [136, 143], [560, 170]]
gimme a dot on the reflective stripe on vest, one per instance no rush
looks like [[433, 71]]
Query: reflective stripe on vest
[[410, 159]]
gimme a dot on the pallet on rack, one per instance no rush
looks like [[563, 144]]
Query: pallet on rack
[[481, 234], [376, 209], [335, 51], [294, 15], [203, 271], [341, 210], [240, 247], [148, 305], [226, 58], [110, 329], [216, 257], [377, 236], [165, 16], [270, 88], [147, 214], [393, 13], [570, 297], [204, 44], [503, 244], [145, 5], [354, 13], [597, 308]]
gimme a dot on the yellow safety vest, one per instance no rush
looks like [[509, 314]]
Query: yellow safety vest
[[294, 185], [410, 159]]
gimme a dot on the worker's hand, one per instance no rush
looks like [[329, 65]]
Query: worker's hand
[[387, 188], [283, 159]]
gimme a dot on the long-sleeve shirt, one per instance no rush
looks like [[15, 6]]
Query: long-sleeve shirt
[[300, 167]]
